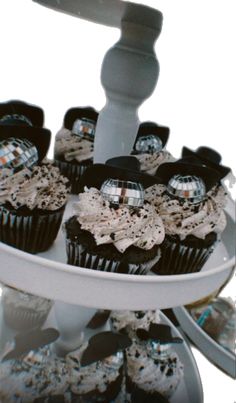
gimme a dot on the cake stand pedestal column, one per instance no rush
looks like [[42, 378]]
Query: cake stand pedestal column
[[71, 320], [129, 74]]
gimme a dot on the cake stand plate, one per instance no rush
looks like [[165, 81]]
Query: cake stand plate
[[190, 388], [105, 12], [48, 275], [217, 354]]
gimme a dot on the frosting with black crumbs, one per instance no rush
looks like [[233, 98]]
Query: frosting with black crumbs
[[150, 162], [96, 376], [183, 218], [122, 226], [133, 320], [153, 374], [72, 147], [42, 187], [37, 375]]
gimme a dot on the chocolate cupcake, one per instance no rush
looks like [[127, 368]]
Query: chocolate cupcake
[[22, 310], [114, 228], [32, 195], [73, 150], [191, 203], [96, 369], [152, 365], [149, 147]]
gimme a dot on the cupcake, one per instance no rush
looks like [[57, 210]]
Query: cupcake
[[129, 321], [96, 369], [113, 228], [149, 147], [32, 195], [27, 375], [191, 204], [73, 150], [152, 365], [24, 311]]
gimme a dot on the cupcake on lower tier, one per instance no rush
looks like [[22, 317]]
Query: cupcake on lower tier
[[129, 321], [149, 147], [96, 369], [152, 365], [191, 204], [29, 375], [24, 311], [114, 228], [73, 150]]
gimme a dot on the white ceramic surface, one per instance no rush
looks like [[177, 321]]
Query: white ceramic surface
[[105, 12], [218, 355], [49, 276]]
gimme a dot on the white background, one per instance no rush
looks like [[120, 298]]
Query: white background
[[54, 60]]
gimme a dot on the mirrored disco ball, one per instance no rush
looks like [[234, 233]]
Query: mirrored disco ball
[[115, 359], [84, 127], [15, 118], [148, 144], [158, 350], [187, 187], [16, 154], [119, 192]]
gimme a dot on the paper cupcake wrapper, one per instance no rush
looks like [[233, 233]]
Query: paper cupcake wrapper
[[73, 172], [180, 259], [21, 319], [31, 234], [79, 256]]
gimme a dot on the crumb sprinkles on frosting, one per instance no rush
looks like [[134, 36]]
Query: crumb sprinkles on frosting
[[122, 226], [72, 147], [43, 187], [183, 218], [150, 162]]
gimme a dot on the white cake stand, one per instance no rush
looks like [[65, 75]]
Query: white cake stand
[[79, 291]]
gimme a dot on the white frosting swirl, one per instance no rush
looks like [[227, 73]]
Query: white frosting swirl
[[183, 218], [123, 226], [72, 147], [37, 375], [133, 320], [98, 375], [43, 187], [22, 300], [161, 375], [150, 162]]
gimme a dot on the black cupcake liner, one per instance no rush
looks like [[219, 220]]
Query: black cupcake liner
[[30, 233], [73, 172], [177, 258], [78, 255]]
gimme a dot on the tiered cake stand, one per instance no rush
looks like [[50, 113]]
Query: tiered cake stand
[[79, 292]]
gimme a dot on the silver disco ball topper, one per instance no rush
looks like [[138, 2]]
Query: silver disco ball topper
[[158, 350], [16, 154], [84, 128], [114, 359], [119, 192], [148, 144], [187, 187], [11, 118]]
